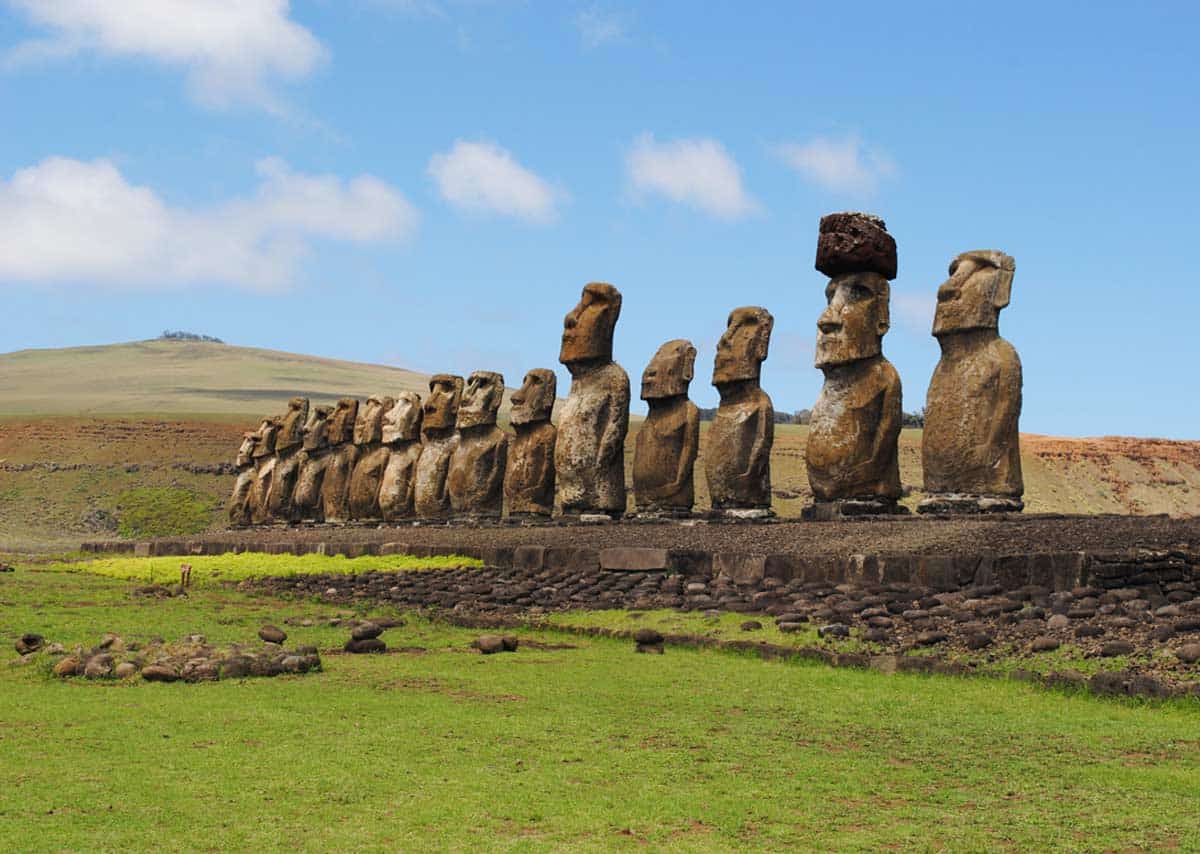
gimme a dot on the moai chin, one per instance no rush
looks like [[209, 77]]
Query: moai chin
[[738, 467], [475, 479], [306, 498], [430, 498], [265, 460], [852, 454], [373, 455], [970, 449], [238, 508], [287, 468], [589, 454], [665, 449], [529, 473], [402, 437], [343, 454]]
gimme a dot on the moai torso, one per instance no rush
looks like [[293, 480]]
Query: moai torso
[[372, 459], [665, 449], [529, 475], [402, 437], [238, 508], [475, 480], [589, 451], [343, 454], [306, 498], [439, 439], [290, 459], [265, 460]]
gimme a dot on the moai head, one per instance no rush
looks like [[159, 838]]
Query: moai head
[[588, 327], [743, 347], [291, 431], [316, 431], [341, 423], [268, 430], [671, 370], [441, 406], [854, 322], [980, 284], [245, 454], [368, 427], [534, 400], [481, 400], [402, 420]]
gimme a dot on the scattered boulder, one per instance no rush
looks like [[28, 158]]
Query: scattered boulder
[[510, 643], [360, 646], [979, 640], [160, 673], [68, 666], [1112, 649], [648, 637], [489, 644], [125, 670], [834, 630], [28, 643], [751, 626], [1042, 643], [98, 667], [1188, 653], [366, 631], [272, 634], [4, 567], [932, 638]]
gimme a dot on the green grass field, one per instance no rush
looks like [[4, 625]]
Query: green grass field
[[570, 742]]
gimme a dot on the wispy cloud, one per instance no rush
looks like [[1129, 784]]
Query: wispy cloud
[[482, 177], [233, 51], [694, 172], [842, 165], [83, 222], [597, 27]]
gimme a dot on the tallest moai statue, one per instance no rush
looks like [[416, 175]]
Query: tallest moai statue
[[852, 456]]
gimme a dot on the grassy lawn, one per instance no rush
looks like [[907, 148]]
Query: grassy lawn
[[568, 742]]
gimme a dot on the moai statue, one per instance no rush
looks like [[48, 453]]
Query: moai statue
[[738, 462], [239, 501], [439, 438], [971, 447], [589, 455], [852, 456], [402, 436], [289, 459], [475, 480], [343, 453], [664, 452], [306, 498], [529, 476], [372, 459], [264, 460]]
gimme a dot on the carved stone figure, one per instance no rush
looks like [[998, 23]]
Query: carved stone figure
[[738, 466], [439, 438], [402, 436], [971, 446], [373, 454], [852, 455], [238, 508], [475, 481], [529, 475], [664, 452], [289, 459], [264, 461], [589, 455], [343, 454], [306, 498]]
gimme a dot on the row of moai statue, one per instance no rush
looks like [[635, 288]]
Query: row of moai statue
[[395, 459]]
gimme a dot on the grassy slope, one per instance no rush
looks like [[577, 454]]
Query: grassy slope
[[590, 746]]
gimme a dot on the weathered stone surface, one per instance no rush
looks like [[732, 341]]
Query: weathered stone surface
[[366, 631], [739, 477], [629, 559], [475, 480], [272, 634], [589, 454], [852, 452], [264, 464], [648, 637], [29, 642], [291, 425], [160, 673], [855, 242], [970, 448], [666, 446], [306, 499], [430, 498], [365, 646], [372, 458], [489, 644], [69, 666], [343, 454], [402, 437], [238, 507], [529, 475]]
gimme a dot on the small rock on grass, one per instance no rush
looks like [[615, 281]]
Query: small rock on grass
[[1115, 648], [68, 666], [979, 640], [648, 637], [751, 626], [160, 673], [29, 642], [1188, 653], [833, 630], [365, 645], [272, 634], [1044, 644], [366, 631], [932, 638], [489, 644]]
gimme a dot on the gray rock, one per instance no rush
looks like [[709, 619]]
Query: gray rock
[[366, 631], [648, 637], [1188, 653], [489, 644], [125, 670], [160, 673], [272, 634], [1044, 644], [1113, 648], [1058, 622], [365, 645], [932, 638], [833, 630]]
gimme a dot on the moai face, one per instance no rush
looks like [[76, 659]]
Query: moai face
[[441, 406], [368, 428], [980, 285], [481, 400], [402, 421], [855, 320], [245, 454], [316, 431], [534, 400], [670, 372], [588, 328], [743, 348], [291, 431], [341, 423], [268, 430]]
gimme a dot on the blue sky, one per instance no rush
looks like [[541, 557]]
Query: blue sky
[[430, 184]]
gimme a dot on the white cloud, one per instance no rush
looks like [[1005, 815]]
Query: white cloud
[[77, 221], [232, 50], [598, 28], [481, 177], [840, 165], [696, 172]]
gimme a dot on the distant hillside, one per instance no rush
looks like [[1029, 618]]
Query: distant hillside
[[175, 378]]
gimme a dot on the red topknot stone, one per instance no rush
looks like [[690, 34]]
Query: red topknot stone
[[855, 243]]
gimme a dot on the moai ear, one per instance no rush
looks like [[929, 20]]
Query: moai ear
[[689, 363], [883, 307], [762, 341], [1003, 293]]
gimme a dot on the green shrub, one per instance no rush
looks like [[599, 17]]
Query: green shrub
[[163, 511]]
